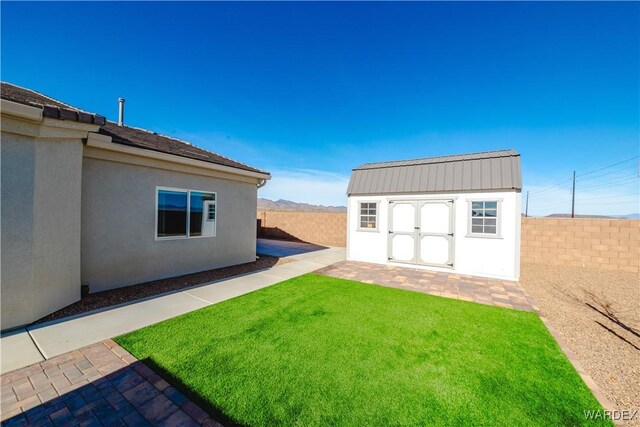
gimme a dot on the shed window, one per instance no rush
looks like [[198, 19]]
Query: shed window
[[185, 213], [484, 218], [368, 215]]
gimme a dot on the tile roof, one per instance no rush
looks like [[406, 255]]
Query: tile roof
[[490, 170], [126, 135], [142, 138], [50, 107]]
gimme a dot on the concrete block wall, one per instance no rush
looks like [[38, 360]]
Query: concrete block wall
[[322, 228], [608, 244]]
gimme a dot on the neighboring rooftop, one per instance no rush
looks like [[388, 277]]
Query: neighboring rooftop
[[126, 135], [489, 170]]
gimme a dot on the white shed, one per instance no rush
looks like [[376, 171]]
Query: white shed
[[457, 214]]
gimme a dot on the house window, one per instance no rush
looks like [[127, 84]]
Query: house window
[[484, 218], [185, 213], [201, 221], [368, 216], [172, 213]]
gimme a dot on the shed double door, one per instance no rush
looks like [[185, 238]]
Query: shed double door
[[421, 232]]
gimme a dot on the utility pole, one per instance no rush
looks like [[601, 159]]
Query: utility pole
[[573, 196], [526, 209]]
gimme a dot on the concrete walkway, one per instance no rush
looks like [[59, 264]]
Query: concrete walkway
[[44, 341]]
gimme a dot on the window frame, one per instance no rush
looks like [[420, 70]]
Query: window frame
[[188, 224], [377, 216], [498, 234]]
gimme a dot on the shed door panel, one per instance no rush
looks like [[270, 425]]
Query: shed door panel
[[434, 218], [402, 239], [421, 232], [434, 250], [403, 217], [436, 233], [403, 248]]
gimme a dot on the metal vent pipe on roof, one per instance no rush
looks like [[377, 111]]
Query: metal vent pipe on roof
[[120, 111]]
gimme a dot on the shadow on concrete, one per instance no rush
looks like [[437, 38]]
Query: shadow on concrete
[[276, 233], [281, 248]]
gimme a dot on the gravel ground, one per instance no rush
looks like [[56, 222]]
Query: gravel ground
[[143, 290], [597, 314]]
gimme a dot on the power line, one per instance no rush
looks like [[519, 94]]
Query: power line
[[568, 180], [607, 167], [616, 182], [609, 173], [625, 202], [613, 196], [593, 182], [552, 187]]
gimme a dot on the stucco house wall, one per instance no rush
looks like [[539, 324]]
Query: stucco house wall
[[78, 205], [41, 180], [119, 247], [474, 255]]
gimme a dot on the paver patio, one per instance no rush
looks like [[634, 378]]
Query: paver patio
[[502, 293], [101, 384]]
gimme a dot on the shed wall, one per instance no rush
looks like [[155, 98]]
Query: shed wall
[[490, 257]]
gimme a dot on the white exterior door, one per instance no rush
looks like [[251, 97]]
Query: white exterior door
[[421, 232], [402, 232]]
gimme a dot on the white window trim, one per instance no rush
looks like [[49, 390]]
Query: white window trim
[[188, 191], [369, 230], [498, 234]]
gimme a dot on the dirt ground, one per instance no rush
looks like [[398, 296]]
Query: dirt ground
[[104, 299], [597, 314]]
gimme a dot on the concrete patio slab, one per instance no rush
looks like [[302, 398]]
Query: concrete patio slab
[[17, 350]]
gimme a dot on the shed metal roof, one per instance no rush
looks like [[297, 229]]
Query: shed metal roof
[[489, 170]]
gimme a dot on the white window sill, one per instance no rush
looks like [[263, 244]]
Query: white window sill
[[484, 236], [368, 230], [160, 239]]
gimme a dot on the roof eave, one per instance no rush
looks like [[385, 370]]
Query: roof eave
[[104, 142]]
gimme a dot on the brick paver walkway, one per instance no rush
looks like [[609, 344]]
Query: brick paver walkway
[[502, 293], [101, 384]]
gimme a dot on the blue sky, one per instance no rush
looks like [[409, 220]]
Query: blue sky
[[310, 90]]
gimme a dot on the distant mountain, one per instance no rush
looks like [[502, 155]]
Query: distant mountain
[[629, 216], [287, 205]]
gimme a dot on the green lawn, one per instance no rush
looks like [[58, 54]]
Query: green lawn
[[321, 351]]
